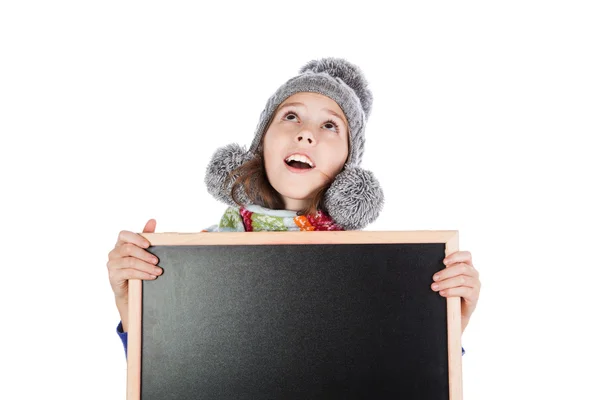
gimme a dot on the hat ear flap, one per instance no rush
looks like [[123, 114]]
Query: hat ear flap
[[224, 161], [354, 199]]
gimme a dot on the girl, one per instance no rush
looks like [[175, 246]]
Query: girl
[[301, 173]]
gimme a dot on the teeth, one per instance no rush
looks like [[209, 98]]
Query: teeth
[[301, 158]]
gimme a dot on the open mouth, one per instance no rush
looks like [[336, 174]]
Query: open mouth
[[298, 164], [299, 161]]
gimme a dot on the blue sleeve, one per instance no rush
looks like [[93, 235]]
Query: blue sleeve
[[463, 353], [123, 336]]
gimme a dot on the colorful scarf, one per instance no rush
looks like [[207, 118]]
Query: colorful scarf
[[253, 218]]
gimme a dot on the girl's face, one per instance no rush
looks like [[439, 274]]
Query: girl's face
[[310, 125]]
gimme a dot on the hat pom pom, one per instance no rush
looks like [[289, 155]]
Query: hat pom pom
[[347, 72], [354, 199], [225, 160]]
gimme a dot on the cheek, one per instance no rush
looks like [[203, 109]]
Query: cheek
[[271, 142], [270, 156], [339, 152], [267, 147], [268, 160]]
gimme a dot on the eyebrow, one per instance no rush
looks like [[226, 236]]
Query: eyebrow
[[296, 103]]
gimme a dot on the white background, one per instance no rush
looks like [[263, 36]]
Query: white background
[[485, 120]]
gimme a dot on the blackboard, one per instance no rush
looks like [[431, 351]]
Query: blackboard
[[295, 315]]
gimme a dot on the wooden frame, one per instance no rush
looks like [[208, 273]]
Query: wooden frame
[[449, 238]]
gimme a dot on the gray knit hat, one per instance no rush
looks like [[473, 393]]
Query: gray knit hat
[[355, 197]]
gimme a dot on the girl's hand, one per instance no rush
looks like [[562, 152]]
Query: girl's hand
[[128, 260], [459, 279]]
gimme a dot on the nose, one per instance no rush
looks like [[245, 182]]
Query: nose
[[306, 135]]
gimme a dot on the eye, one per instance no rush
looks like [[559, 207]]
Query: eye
[[287, 114], [290, 115], [331, 122]]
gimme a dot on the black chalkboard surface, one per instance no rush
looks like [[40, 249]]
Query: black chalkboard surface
[[295, 315]]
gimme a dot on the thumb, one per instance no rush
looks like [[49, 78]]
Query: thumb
[[150, 226]]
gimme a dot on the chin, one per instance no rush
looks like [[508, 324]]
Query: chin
[[293, 189], [294, 194]]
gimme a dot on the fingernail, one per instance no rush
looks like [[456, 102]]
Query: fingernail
[[435, 286], [436, 277]]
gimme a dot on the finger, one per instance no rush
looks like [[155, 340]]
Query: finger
[[150, 226], [458, 257], [129, 273], [133, 263], [132, 237], [455, 270], [457, 281], [131, 250], [467, 293]]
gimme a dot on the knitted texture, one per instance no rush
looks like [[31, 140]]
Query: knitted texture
[[337, 79]]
